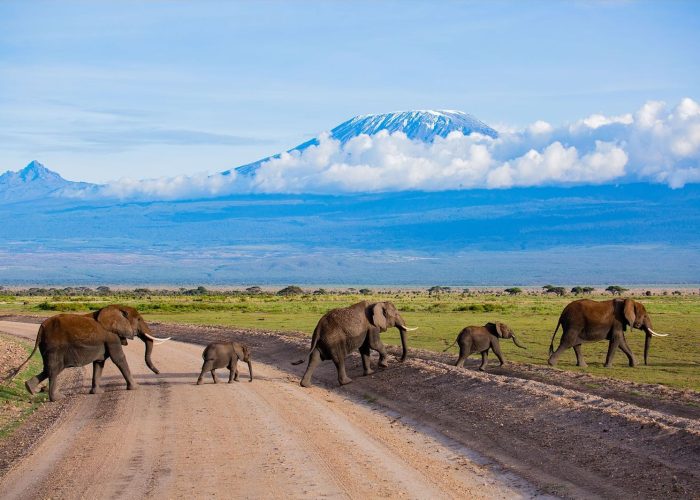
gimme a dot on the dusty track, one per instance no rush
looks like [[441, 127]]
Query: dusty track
[[269, 438]]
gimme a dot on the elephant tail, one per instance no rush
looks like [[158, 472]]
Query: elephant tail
[[551, 344], [16, 371], [314, 341], [450, 346]]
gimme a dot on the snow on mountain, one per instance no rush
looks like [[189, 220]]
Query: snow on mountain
[[33, 182], [422, 125]]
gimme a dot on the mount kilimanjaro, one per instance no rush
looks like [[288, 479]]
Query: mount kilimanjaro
[[423, 126]]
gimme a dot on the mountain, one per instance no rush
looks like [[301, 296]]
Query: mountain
[[423, 125], [33, 182]]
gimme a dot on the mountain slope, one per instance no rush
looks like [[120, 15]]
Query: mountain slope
[[423, 125], [33, 182]]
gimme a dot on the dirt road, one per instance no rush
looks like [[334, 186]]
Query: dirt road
[[265, 439]]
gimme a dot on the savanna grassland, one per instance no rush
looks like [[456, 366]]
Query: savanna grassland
[[674, 360]]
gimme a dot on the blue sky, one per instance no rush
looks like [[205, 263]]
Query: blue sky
[[101, 90]]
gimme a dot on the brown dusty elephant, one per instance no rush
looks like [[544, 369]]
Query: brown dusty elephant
[[343, 330], [69, 340], [225, 355], [590, 321], [480, 339]]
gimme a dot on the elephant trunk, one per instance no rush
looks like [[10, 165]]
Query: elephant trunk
[[515, 341], [647, 342], [149, 350], [404, 347], [250, 370]]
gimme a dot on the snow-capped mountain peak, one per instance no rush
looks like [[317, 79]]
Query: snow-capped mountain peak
[[423, 125], [420, 125]]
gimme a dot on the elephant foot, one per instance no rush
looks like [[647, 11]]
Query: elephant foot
[[607, 365], [132, 387], [305, 383], [199, 381], [56, 397], [97, 390], [30, 388], [582, 365], [481, 369], [552, 362], [383, 364], [345, 381], [368, 372]]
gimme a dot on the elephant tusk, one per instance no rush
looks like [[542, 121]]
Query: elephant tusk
[[411, 329], [155, 340], [654, 334]]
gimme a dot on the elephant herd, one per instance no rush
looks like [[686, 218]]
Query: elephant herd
[[70, 340]]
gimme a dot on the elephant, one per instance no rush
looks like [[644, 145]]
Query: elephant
[[225, 355], [70, 340], [589, 321], [480, 339], [345, 329]]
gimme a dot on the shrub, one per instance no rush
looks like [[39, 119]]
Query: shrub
[[290, 290]]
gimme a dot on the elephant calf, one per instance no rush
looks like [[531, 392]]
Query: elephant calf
[[480, 339], [225, 355]]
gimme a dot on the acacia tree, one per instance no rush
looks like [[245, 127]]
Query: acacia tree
[[513, 291], [616, 289]]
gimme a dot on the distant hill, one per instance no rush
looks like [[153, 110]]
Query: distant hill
[[35, 181], [423, 126]]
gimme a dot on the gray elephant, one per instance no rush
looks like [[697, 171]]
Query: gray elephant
[[590, 321], [480, 339], [225, 355], [358, 326], [69, 340]]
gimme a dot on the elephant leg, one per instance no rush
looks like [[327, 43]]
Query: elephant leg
[[233, 371], [33, 382], [626, 349], [614, 344], [376, 343], [119, 359], [364, 353], [206, 367], [54, 395], [213, 376], [96, 376], [340, 366], [484, 359], [497, 351], [314, 361], [579, 356], [567, 341]]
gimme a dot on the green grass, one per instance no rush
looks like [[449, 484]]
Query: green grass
[[674, 360], [15, 394]]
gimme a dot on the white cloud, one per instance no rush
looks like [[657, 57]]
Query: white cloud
[[654, 144]]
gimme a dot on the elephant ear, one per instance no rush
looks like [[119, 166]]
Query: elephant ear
[[503, 331], [378, 317], [116, 321], [629, 312]]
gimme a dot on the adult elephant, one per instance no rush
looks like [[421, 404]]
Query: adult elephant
[[358, 326], [589, 321], [69, 340]]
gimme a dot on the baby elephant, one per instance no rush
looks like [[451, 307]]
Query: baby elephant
[[225, 355], [480, 339]]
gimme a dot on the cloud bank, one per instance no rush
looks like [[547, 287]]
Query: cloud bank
[[656, 144]]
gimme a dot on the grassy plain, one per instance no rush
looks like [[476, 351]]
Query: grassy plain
[[674, 360]]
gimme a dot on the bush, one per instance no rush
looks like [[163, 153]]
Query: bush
[[513, 291], [290, 290]]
